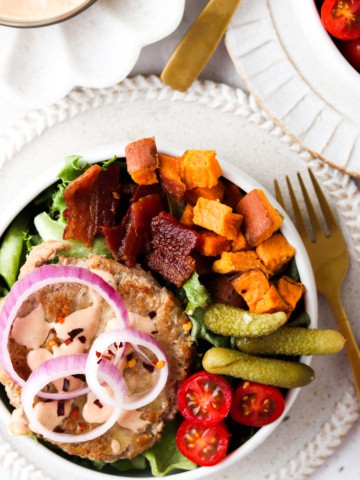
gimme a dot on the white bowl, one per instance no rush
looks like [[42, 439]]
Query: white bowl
[[245, 182]]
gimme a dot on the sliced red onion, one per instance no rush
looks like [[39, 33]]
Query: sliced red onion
[[136, 338], [42, 277], [63, 366]]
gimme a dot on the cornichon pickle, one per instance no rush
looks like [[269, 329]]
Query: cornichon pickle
[[293, 341], [280, 373], [235, 322]]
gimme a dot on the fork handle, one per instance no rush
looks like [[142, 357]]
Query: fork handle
[[351, 347]]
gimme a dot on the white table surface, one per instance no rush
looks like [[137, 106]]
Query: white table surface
[[344, 463]]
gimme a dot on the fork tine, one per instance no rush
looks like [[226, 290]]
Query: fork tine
[[278, 194], [315, 224], [298, 217], [325, 207]]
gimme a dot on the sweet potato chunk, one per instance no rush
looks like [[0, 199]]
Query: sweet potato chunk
[[232, 262], [142, 161], [211, 244], [217, 217], [275, 252], [187, 218], [199, 168], [169, 170], [213, 193], [261, 219], [221, 290], [239, 243], [251, 285], [290, 291], [172, 244], [271, 302]]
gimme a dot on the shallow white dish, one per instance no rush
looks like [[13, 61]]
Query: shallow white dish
[[98, 48], [246, 137], [290, 64], [246, 183]]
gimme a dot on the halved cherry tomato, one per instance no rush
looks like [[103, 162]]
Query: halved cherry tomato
[[205, 446], [341, 18], [255, 404], [351, 51], [204, 399]]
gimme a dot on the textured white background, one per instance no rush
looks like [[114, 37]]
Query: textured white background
[[344, 464]]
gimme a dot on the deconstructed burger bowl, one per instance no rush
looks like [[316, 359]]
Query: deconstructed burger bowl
[[194, 287]]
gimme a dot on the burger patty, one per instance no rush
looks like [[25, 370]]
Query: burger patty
[[146, 298]]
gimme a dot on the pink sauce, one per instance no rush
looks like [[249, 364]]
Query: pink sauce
[[36, 9], [31, 330]]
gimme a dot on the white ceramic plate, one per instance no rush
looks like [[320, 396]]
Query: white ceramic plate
[[289, 63], [96, 49], [243, 136]]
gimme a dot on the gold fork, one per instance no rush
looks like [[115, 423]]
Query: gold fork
[[329, 258]]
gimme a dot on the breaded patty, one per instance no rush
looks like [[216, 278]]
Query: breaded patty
[[146, 298]]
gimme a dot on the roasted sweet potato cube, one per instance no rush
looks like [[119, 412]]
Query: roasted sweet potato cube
[[251, 285], [200, 168], [275, 252], [169, 171], [211, 244], [261, 219], [187, 218], [290, 290], [217, 217], [213, 193], [221, 290], [142, 161], [239, 243], [271, 302], [232, 262]]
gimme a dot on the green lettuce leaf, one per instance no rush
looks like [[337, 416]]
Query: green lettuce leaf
[[196, 294], [12, 249], [164, 456]]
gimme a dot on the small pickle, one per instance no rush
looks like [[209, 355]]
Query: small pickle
[[293, 341], [280, 373], [235, 322]]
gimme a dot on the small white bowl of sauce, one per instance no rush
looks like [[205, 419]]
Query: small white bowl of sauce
[[37, 13]]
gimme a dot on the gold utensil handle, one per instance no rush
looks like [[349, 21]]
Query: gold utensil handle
[[351, 347], [198, 44]]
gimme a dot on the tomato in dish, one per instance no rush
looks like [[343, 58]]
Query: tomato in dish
[[205, 446], [341, 18], [351, 51], [256, 405], [204, 399]]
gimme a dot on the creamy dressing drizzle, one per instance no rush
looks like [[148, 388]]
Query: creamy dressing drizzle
[[36, 9], [47, 414], [32, 330]]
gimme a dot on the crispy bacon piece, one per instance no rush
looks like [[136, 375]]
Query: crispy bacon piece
[[91, 203], [142, 161], [172, 244], [135, 227]]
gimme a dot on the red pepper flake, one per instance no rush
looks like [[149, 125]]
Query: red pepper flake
[[99, 361], [52, 330], [68, 341], [81, 425], [66, 385], [74, 413], [61, 408], [107, 357], [60, 319], [116, 345], [98, 354], [82, 339], [152, 314], [110, 352], [98, 403], [148, 367], [75, 332], [79, 376]]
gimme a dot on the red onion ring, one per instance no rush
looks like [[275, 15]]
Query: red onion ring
[[63, 366], [39, 278], [134, 337]]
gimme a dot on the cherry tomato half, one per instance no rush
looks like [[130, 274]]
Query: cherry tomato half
[[204, 399], [351, 51], [255, 404], [205, 446], [341, 18]]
